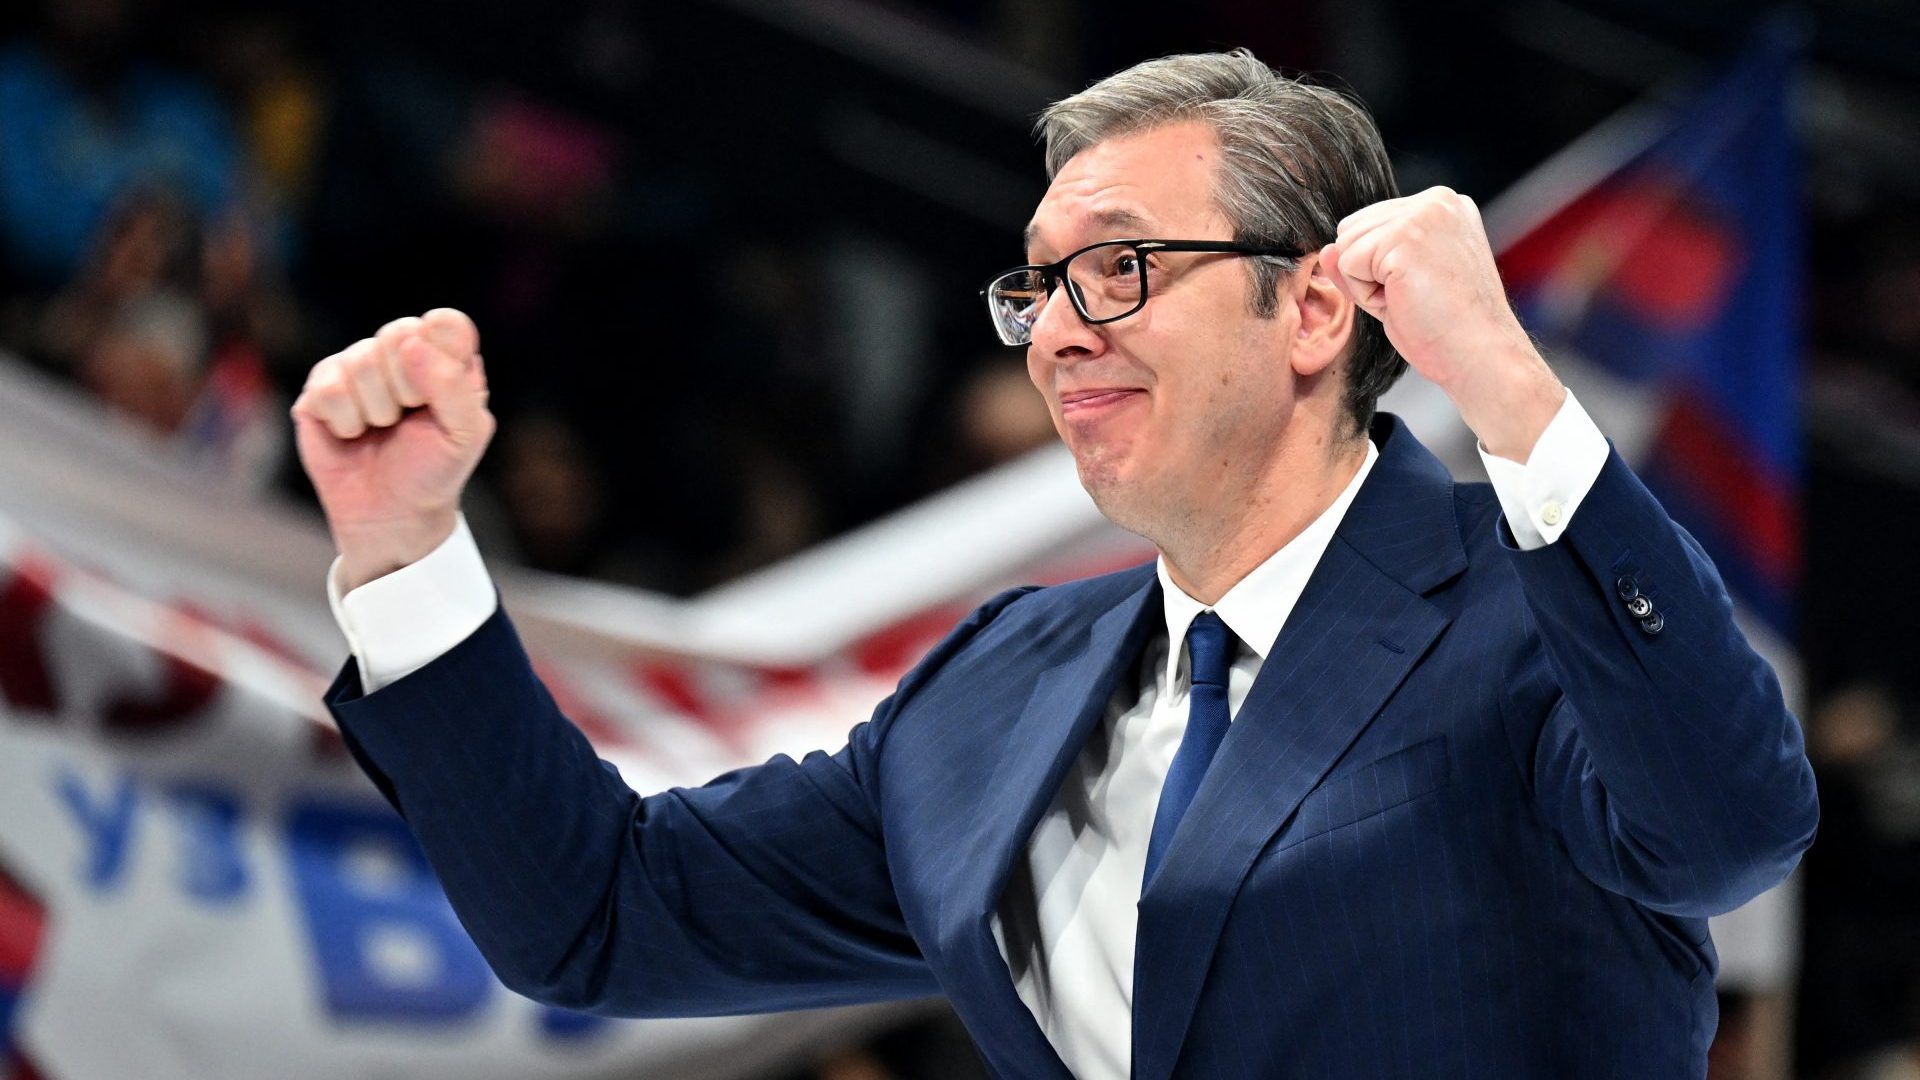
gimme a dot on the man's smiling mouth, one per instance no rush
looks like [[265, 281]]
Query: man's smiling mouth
[[1081, 401]]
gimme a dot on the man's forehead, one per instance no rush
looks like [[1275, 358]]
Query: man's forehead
[[1111, 221], [1141, 183]]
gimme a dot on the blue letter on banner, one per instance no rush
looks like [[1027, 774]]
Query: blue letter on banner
[[107, 824], [213, 865], [387, 943]]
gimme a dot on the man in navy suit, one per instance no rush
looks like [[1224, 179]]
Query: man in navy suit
[[1370, 774]]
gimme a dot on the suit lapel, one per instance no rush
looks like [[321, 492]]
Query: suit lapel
[[1359, 627], [1067, 702]]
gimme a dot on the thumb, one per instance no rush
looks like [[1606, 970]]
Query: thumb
[[1330, 262], [452, 330], [311, 437], [1366, 295], [455, 392]]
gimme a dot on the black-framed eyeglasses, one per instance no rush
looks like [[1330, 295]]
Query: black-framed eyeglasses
[[1106, 281]]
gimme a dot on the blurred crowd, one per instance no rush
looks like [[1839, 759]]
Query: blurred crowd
[[196, 204], [198, 201], [137, 205], [1857, 1006]]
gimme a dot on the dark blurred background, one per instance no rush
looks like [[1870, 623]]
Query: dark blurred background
[[725, 253]]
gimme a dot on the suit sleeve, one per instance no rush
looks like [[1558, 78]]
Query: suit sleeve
[[766, 889], [1665, 756]]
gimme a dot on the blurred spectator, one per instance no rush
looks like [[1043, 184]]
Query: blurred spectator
[[171, 321], [247, 304], [552, 498], [1002, 415], [1732, 1055], [1890, 300], [1859, 993], [140, 268], [522, 162], [778, 508], [934, 1047], [281, 100], [144, 245], [1865, 316], [88, 119], [994, 416], [151, 361], [148, 360], [1897, 1064]]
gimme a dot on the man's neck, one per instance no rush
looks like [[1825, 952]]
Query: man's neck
[[1214, 552]]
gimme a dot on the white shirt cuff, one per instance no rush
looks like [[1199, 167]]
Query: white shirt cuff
[[399, 623], [1539, 497]]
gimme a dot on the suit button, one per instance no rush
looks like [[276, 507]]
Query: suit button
[[1627, 588], [1639, 607], [1653, 624]]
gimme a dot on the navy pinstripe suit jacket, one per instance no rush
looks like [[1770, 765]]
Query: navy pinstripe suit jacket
[[1470, 822]]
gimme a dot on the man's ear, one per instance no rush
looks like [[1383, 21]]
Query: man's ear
[[1326, 317]]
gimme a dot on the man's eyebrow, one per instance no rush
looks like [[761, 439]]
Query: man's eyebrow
[[1120, 217], [1117, 219]]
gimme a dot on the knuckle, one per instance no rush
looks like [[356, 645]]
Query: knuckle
[[327, 380], [399, 326], [350, 369], [366, 373], [452, 318], [337, 406], [324, 372]]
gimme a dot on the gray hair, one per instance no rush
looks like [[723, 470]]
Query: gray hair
[[1296, 159]]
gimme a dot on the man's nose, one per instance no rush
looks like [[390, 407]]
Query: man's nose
[[1060, 333]]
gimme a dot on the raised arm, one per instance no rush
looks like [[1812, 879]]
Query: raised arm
[[1667, 759], [1663, 755], [765, 889]]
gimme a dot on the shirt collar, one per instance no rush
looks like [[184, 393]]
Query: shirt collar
[[1257, 606]]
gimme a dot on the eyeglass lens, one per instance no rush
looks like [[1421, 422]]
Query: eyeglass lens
[[1106, 282]]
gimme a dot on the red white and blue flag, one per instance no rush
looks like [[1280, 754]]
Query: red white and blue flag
[[1676, 274]]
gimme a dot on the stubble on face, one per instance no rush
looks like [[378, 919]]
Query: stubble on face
[[1205, 474]]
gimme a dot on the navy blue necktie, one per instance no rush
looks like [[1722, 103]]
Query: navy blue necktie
[[1209, 655]]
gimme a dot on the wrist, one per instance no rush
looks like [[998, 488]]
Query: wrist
[[1508, 402], [372, 551]]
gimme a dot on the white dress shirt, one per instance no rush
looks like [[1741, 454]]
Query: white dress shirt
[[1066, 925], [1067, 921]]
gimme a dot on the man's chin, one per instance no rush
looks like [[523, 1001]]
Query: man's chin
[[1115, 491]]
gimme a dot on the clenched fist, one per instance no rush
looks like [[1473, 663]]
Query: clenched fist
[[1422, 265], [389, 429]]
